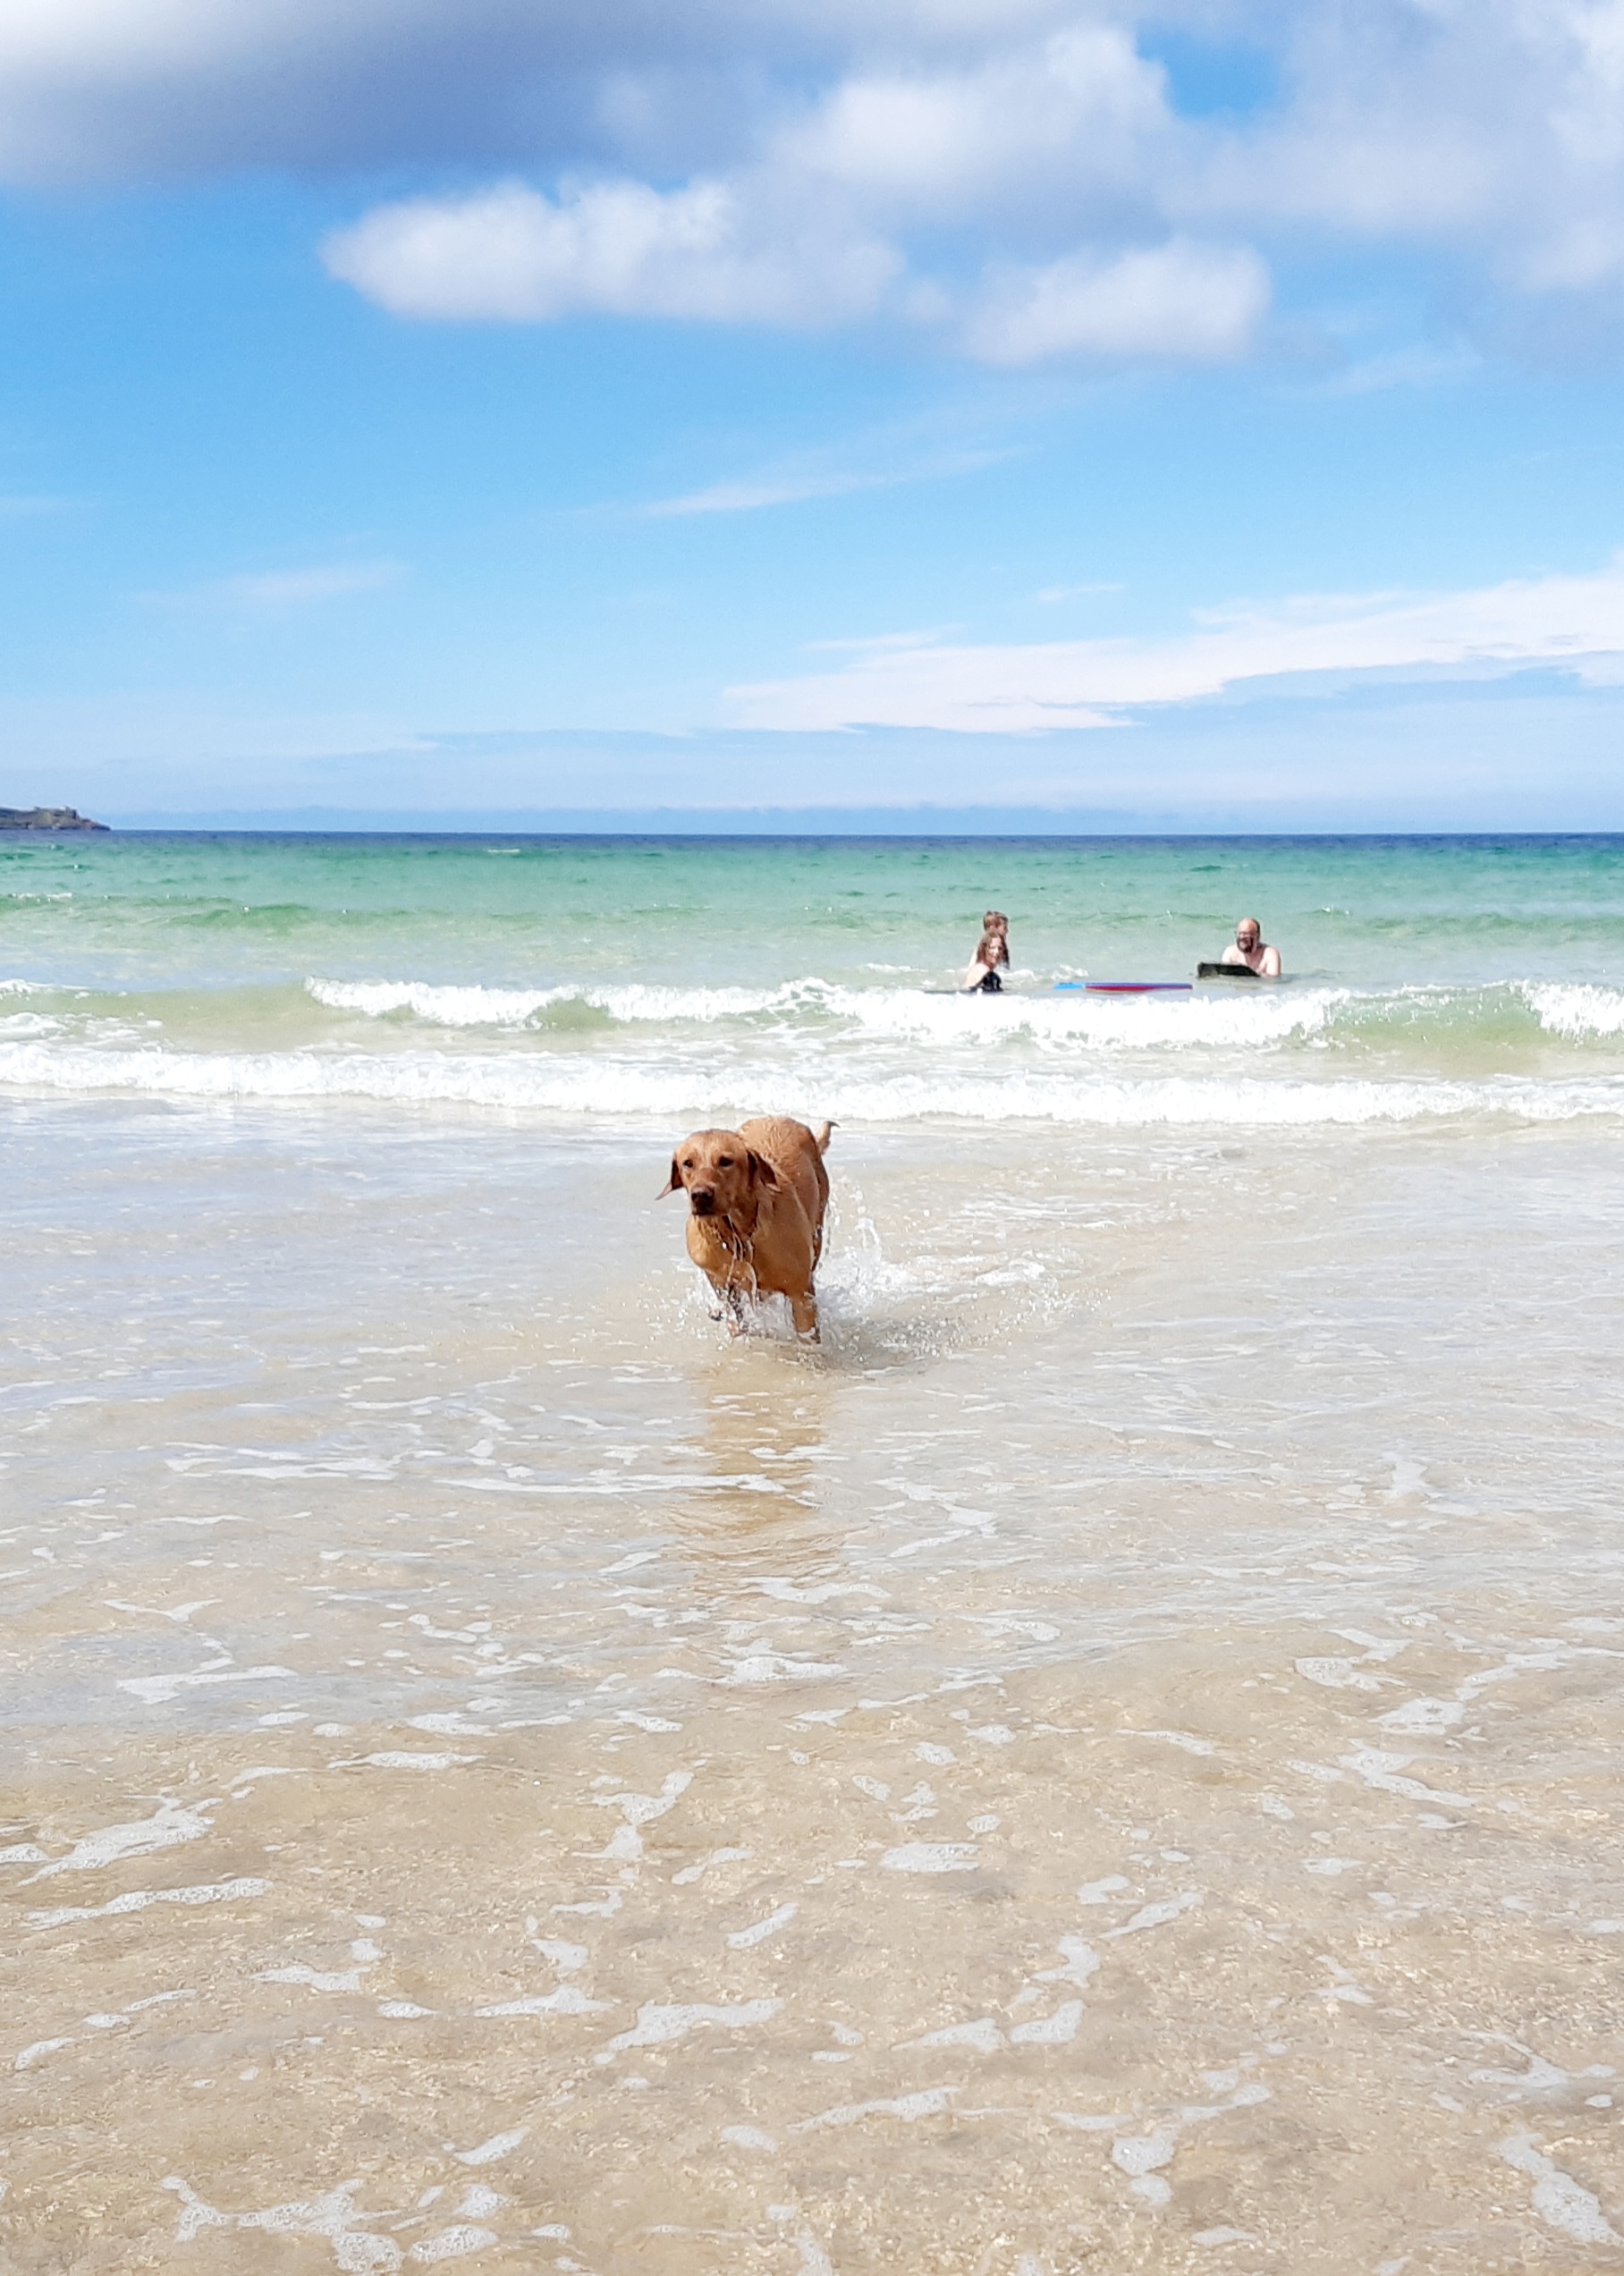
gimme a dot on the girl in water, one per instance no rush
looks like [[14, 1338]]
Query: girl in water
[[982, 975]]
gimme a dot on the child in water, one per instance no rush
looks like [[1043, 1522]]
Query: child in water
[[991, 950]]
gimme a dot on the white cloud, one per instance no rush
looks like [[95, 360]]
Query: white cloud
[[1074, 111], [752, 252], [823, 161], [1576, 621], [1174, 302], [616, 247], [751, 497], [902, 462]]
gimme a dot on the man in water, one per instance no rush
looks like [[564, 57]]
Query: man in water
[[1249, 948]]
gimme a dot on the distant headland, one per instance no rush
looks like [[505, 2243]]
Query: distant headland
[[46, 818]]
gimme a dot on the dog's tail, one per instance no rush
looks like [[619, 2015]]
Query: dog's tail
[[821, 1138]]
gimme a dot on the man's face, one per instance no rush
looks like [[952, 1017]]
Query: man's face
[[1245, 937]]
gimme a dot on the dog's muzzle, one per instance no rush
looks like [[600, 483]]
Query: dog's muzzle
[[702, 1204]]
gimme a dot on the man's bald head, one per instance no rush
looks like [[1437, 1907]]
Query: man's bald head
[[1249, 927]]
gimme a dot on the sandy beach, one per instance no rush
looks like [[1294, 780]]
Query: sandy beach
[[1109, 1763]]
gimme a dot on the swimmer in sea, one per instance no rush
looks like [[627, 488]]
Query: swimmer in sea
[[996, 923], [1249, 948], [981, 975]]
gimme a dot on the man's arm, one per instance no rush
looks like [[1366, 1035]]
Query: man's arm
[[1270, 966]]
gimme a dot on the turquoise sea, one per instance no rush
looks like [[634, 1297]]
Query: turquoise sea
[[651, 978], [1107, 1764]]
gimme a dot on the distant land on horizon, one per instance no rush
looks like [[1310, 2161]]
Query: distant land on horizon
[[47, 817]]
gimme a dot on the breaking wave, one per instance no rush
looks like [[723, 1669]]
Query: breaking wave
[[1575, 1009], [587, 1085], [1145, 1022]]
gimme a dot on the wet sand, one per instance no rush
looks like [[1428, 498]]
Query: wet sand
[[1110, 1765]]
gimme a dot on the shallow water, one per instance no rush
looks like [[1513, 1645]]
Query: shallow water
[[1109, 1763]]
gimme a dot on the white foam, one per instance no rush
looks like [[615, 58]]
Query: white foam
[[135, 1901], [1559, 2201], [157, 1690], [1381, 1769], [1575, 1009], [499, 2145], [668, 1091], [1098, 1022], [388, 1761], [1100, 1892], [357, 2250], [111, 1844], [317, 1979], [1262, 1020], [1137, 2153], [1080, 1959], [565, 2000], [928, 2103], [659, 2025], [566, 1958], [1158, 1916], [446, 1007], [1056, 2030], [38, 2051], [760, 1930], [452, 2244], [983, 2035], [931, 1857], [1425, 1717]]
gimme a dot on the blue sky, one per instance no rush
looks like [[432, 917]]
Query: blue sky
[[1203, 415]]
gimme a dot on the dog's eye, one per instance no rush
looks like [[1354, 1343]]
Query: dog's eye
[[725, 1161]]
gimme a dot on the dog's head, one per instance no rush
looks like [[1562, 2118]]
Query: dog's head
[[718, 1172]]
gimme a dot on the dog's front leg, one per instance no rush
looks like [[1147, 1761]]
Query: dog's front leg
[[735, 1306], [803, 1311]]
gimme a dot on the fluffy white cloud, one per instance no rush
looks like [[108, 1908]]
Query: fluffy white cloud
[[1576, 621], [1071, 115], [1197, 303], [617, 248], [1016, 171], [714, 253]]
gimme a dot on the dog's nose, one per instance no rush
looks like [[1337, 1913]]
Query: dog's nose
[[702, 1200]]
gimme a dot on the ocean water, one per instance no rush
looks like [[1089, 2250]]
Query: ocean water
[[1108, 1764]]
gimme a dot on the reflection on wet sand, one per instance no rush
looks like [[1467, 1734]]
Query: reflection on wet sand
[[757, 1505]]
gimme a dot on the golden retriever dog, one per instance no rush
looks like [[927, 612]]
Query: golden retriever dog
[[756, 1202]]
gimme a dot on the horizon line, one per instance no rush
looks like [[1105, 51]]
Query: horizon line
[[917, 821]]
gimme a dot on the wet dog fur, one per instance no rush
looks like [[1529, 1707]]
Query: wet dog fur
[[755, 1202]]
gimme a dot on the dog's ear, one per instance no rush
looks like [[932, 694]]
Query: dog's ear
[[675, 1185], [762, 1169]]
